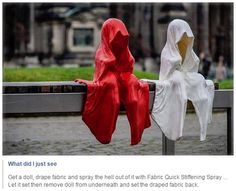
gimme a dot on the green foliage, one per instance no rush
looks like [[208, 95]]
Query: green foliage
[[57, 74], [70, 74], [226, 84], [46, 74], [146, 75]]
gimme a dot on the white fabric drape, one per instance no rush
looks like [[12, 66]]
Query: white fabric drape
[[179, 82]]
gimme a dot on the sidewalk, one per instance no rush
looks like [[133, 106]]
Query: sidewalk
[[69, 136]]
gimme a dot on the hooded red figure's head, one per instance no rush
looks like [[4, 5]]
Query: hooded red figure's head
[[113, 52]]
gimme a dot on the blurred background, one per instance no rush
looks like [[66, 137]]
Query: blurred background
[[67, 34]]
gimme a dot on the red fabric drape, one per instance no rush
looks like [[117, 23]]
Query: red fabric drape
[[114, 84]]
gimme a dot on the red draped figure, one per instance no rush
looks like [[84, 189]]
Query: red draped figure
[[114, 84]]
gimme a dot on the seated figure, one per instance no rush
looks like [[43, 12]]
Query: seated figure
[[114, 84], [179, 82]]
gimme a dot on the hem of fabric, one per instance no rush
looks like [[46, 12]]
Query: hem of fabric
[[166, 134]]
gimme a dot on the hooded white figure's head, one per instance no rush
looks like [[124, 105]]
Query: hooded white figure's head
[[178, 52]]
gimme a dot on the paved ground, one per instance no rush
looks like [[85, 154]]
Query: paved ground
[[69, 136]]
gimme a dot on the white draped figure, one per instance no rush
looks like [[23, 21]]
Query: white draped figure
[[179, 82]]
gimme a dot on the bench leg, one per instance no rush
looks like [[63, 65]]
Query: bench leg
[[168, 146], [230, 133]]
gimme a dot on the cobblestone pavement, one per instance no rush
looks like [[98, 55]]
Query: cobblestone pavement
[[70, 136]]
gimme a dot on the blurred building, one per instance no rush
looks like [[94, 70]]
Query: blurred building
[[70, 32], [212, 25], [56, 33]]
